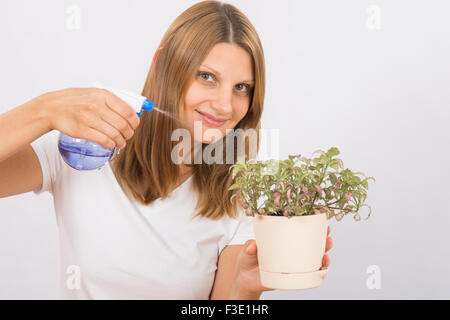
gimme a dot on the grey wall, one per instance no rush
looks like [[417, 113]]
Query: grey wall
[[370, 77]]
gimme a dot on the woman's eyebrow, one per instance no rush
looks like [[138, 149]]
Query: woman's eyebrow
[[204, 65], [218, 73]]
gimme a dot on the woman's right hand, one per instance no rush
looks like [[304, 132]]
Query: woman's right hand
[[92, 114]]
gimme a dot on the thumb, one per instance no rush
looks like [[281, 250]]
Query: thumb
[[248, 258], [250, 247]]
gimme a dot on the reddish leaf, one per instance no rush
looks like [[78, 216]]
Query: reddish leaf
[[318, 188], [348, 196]]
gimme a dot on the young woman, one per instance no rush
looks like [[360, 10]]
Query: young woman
[[143, 226]]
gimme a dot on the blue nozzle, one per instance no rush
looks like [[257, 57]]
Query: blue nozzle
[[146, 105]]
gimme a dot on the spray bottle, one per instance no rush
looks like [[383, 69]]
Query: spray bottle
[[83, 154]]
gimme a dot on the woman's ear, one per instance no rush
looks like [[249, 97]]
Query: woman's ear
[[156, 54]]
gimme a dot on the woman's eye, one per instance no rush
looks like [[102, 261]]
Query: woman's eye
[[206, 76], [243, 87]]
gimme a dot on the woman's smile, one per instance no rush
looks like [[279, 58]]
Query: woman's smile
[[211, 120]]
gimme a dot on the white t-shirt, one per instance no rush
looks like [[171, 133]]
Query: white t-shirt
[[112, 247]]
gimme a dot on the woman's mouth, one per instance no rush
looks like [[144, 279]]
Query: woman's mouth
[[210, 121]]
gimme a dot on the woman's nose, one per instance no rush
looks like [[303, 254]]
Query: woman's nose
[[222, 103]]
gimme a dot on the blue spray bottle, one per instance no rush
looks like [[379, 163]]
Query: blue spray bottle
[[83, 154]]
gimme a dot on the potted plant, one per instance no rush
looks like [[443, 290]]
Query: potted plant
[[291, 202]]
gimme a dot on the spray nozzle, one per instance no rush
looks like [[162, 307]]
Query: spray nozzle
[[136, 101]]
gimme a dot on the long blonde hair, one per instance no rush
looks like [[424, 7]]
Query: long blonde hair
[[146, 159]]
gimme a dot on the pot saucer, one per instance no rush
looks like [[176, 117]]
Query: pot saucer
[[292, 281]]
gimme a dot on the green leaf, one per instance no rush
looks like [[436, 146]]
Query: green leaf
[[336, 164], [359, 172], [238, 168], [356, 179], [333, 178], [308, 161], [233, 187], [319, 151], [333, 152], [372, 178], [370, 211], [231, 199], [364, 196], [365, 184]]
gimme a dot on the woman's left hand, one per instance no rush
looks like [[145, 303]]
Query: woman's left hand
[[248, 275]]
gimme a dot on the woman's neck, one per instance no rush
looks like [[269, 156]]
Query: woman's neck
[[185, 171]]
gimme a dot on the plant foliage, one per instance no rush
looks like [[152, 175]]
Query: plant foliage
[[300, 186]]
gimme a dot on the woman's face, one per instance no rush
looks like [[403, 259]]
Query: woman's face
[[222, 89]]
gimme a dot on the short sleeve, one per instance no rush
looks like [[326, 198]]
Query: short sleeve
[[46, 149], [244, 230]]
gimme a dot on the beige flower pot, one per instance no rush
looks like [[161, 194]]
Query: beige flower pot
[[290, 250]]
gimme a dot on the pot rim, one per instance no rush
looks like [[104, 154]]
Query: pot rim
[[304, 217]]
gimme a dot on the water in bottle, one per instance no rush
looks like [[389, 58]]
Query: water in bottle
[[83, 154]]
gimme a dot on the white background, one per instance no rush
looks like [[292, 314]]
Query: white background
[[333, 79]]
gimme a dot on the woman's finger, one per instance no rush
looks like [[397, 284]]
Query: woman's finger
[[325, 262], [329, 244], [123, 109], [98, 137], [110, 131], [119, 123]]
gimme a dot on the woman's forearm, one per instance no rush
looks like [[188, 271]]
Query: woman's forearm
[[22, 125]]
